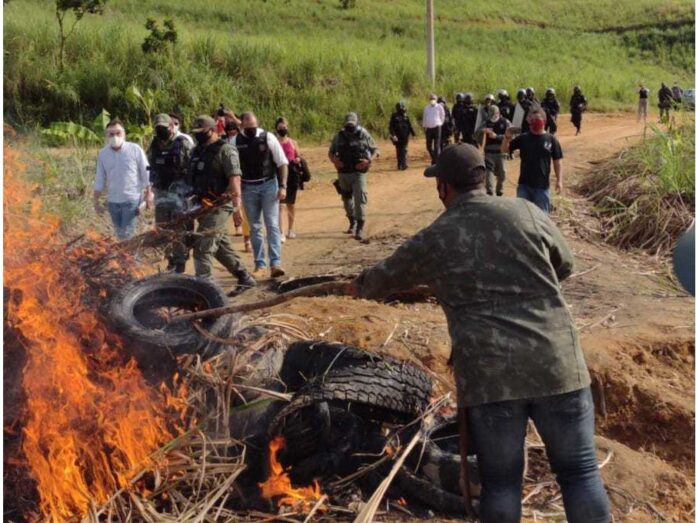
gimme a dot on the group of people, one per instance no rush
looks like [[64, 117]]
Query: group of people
[[489, 126], [238, 169]]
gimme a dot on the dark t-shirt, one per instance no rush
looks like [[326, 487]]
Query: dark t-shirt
[[536, 153], [643, 93]]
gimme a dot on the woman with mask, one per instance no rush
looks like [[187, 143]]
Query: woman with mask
[[287, 205]]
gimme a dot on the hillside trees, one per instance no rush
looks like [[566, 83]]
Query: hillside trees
[[79, 9]]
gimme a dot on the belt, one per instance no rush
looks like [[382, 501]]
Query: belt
[[256, 182]]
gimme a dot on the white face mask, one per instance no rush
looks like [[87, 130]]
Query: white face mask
[[433, 102], [116, 141]]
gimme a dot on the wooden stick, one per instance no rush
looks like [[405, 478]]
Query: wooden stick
[[320, 289]]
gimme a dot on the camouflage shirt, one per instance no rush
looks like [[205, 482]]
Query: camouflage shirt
[[351, 148], [494, 265]]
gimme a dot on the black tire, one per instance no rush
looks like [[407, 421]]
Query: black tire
[[136, 313], [380, 389], [305, 360]]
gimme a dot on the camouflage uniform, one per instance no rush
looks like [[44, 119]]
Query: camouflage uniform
[[351, 148], [168, 165], [211, 168], [494, 265]]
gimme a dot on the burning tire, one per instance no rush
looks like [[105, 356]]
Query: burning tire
[[140, 310]]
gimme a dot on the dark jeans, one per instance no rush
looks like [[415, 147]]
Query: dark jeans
[[433, 142], [401, 152], [566, 425], [539, 197]]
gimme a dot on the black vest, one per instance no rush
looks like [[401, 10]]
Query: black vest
[[166, 165], [351, 149], [255, 157], [207, 175]]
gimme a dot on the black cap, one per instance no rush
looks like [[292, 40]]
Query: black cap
[[459, 164]]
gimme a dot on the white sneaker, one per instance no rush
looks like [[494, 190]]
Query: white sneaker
[[282, 238], [291, 235]]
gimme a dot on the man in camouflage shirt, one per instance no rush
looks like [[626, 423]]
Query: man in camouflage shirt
[[494, 265], [214, 172]]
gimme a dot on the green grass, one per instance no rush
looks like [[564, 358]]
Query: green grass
[[311, 61]]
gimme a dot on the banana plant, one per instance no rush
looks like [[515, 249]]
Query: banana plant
[[70, 132]]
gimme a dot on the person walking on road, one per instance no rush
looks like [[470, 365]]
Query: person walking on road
[[352, 150], [433, 120], [169, 156], [538, 150], [550, 106], [495, 129], [400, 131], [122, 171], [264, 185], [495, 266], [665, 102], [214, 173], [643, 93], [578, 105], [295, 178]]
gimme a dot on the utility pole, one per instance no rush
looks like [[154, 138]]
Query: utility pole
[[430, 37]]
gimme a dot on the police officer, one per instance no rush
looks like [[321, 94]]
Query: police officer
[[525, 104], [467, 125], [578, 105], [448, 126], [550, 105], [214, 172], [494, 130], [458, 116], [507, 108], [664, 102], [169, 156], [400, 130], [531, 95], [351, 152], [264, 185]]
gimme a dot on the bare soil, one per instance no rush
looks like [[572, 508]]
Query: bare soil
[[636, 326]]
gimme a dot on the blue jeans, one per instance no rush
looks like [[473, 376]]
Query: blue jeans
[[262, 199], [566, 425], [539, 197], [124, 217]]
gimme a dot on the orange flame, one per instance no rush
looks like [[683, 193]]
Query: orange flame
[[92, 421], [278, 483]]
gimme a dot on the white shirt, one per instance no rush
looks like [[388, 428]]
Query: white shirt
[[273, 146], [433, 116], [123, 172]]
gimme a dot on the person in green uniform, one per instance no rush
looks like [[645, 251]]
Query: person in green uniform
[[352, 150], [214, 172], [495, 266]]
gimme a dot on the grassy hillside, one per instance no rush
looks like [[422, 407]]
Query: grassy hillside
[[312, 61]]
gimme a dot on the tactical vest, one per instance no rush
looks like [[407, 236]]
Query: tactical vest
[[255, 157], [207, 175], [166, 165], [351, 150]]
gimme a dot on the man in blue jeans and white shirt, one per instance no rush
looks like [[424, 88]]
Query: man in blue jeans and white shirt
[[537, 150], [264, 179], [122, 170]]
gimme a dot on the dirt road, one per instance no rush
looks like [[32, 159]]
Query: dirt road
[[636, 328]]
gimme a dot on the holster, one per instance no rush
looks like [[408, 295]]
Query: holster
[[341, 192]]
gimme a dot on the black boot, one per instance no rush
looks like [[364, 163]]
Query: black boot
[[244, 281], [351, 227], [359, 230]]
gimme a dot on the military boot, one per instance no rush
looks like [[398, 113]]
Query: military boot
[[351, 227], [244, 281], [359, 230]]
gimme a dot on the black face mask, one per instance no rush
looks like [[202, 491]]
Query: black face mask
[[401, 111], [350, 129], [250, 132], [201, 138], [282, 132], [162, 133]]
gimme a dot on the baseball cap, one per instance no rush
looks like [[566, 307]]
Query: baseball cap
[[162, 120], [351, 118], [203, 123], [458, 164]]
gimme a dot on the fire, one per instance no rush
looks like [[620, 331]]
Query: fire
[[91, 419], [278, 483]]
